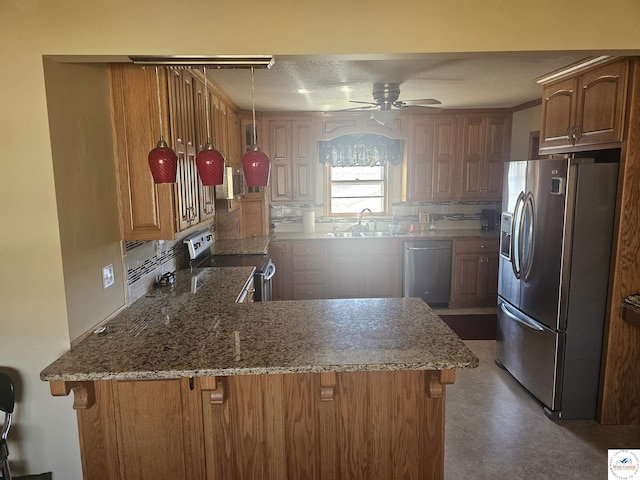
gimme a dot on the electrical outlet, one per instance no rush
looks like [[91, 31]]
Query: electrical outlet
[[107, 276]]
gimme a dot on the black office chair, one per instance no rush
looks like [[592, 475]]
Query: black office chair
[[7, 401]]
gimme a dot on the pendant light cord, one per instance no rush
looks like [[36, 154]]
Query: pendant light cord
[[253, 108], [206, 103], [159, 104]]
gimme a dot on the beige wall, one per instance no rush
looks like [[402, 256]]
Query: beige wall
[[523, 123], [34, 315], [78, 105]]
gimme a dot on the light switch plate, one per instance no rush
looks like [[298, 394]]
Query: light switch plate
[[107, 276]]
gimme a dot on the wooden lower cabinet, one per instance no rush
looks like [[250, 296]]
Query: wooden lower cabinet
[[281, 285], [352, 425], [370, 268], [474, 281], [308, 270]]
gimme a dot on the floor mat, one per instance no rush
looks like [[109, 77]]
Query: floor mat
[[472, 327]]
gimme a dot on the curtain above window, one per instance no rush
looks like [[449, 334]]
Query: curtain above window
[[365, 149]]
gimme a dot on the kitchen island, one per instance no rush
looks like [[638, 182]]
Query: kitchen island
[[188, 384]]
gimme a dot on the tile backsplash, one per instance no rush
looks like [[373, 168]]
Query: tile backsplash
[[146, 261], [447, 215]]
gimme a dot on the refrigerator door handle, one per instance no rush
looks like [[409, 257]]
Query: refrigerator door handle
[[529, 230], [509, 312], [516, 225]]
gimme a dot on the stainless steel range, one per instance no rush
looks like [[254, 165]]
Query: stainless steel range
[[201, 256]]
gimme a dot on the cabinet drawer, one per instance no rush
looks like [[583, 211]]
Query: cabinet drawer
[[303, 264], [308, 292], [382, 248], [348, 248], [476, 245], [308, 278], [308, 249]]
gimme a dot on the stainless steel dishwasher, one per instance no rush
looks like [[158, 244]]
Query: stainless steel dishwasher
[[427, 271]]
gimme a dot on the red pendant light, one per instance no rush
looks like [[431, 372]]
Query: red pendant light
[[163, 161], [255, 163], [209, 161]]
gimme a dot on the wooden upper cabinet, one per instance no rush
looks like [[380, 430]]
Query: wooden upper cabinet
[[280, 155], [291, 147], [558, 113], [146, 209], [303, 167], [161, 212], [497, 151], [586, 109], [234, 150], [601, 104], [430, 166], [444, 158], [181, 88], [418, 167], [485, 147], [207, 197]]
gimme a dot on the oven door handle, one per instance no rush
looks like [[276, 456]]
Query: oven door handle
[[270, 271]]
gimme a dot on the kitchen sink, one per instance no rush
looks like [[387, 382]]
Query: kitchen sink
[[358, 234]]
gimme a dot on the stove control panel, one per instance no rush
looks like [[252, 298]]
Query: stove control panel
[[199, 243]]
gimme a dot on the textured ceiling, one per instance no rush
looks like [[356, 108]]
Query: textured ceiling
[[328, 83]]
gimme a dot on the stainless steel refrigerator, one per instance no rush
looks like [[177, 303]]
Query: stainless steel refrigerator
[[555, 248]]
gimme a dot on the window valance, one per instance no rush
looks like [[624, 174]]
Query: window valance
[[361, 149]]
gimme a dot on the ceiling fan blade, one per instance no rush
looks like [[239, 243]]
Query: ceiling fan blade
[[423, 108], [422, 102], [366, 107], [368, 103]]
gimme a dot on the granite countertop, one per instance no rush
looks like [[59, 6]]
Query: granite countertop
[[242, 246], [442, 234], [194, 328]]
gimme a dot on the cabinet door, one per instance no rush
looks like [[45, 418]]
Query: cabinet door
[[498, 138], [183, 129], [280, 253], [220, 126], [348, 277], [475, 273], [303, 167], [253, 218], [280, 155], [473, 153], [207, 198], [419, 167], [468, 274], [385, 277], [235, 142], [444, 158], [558, 114], [146, 209], [601, 104]]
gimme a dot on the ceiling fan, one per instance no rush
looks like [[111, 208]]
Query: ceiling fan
[[386, 103]]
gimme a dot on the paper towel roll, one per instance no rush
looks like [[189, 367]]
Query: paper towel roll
[[308, 222]]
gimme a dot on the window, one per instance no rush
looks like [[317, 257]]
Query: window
[[357, 168], [352, 188]]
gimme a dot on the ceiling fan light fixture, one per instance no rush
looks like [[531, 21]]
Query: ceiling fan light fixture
[[384, 117]]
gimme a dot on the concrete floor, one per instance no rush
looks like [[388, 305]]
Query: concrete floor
[[495, 429]]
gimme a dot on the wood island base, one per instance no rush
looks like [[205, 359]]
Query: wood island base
[[354, 425]]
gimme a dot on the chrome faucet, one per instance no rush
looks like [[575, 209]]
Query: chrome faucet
[[360, 217]]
